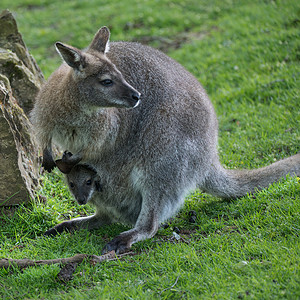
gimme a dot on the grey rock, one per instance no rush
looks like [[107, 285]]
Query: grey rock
[[20, 80], [17, 64]]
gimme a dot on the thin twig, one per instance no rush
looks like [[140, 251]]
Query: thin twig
[[170, 286], [7, 263]]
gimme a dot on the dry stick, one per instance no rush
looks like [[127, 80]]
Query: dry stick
[[7, 263], [170, 286]]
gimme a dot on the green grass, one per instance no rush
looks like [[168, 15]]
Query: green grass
[[246, 54]]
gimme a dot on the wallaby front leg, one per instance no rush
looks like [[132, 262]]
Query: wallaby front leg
[[146, 227], [48, 161], [91, 222]]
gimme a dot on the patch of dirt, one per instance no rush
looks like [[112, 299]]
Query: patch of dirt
[[166, 44]]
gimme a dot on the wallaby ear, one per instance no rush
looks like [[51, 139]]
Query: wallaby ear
[[71, 55], [98, 184], [67, 162], [101, 40], [64, 167]]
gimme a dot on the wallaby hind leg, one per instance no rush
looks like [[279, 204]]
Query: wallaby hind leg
[[91, 222], [156, 208], [144, 229]]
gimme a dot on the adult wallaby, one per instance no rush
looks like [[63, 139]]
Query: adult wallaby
[[148, 157]]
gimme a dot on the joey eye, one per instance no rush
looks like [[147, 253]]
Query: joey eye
[[106, 82], [72, 185], [89, 182]]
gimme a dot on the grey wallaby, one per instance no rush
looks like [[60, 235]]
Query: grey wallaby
[[82, 179], [148, 155], [85, 185]]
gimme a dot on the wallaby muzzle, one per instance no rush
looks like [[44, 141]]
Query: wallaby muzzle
[[133, 99], [82, 200], [136, 98]]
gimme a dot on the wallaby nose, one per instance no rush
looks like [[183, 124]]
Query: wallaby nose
[[82, 200], [136, 96]]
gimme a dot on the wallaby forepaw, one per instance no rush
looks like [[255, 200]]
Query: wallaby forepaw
[[119, 244], [48, 165], [65, 226], [51, 232], [69, 158], [66, 156], [48, 162]]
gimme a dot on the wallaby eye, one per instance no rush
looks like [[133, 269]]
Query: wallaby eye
[[106, 82], [89, 182], [72, 185]]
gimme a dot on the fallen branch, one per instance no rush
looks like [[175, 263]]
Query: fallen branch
[[7, 263]]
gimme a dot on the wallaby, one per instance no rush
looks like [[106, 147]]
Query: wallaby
[[82, 179], [148, 156], [85, 185]]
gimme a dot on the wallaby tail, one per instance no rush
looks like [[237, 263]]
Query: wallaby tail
[[237, 183]]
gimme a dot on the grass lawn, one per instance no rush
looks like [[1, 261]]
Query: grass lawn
[[246, 54]]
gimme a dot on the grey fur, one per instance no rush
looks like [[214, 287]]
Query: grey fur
[[149, 157]]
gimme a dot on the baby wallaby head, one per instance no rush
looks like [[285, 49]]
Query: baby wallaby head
[[83, 182], [98, 81]]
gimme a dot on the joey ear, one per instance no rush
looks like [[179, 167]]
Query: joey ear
[[71, 55], [98, 184], [64, 167], [101, 40]]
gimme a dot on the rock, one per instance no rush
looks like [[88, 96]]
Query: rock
[[20, 80], [19, 165], [17, 64]]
